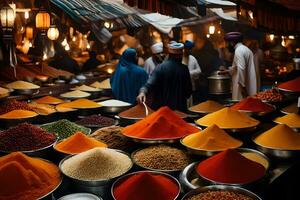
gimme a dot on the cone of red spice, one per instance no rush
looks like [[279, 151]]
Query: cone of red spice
[[230, 167], [136, 112], [293, 85], [162, 124], [146, 186], [253, 105]]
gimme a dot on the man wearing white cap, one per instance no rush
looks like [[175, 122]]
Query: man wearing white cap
[[170, 83], [156, 58]]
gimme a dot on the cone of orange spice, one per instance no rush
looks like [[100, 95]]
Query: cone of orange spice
[[78, 143], [25, 178]]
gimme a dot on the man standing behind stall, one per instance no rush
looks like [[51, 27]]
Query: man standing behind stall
[[244, 80], [156, 58], [170, 82]]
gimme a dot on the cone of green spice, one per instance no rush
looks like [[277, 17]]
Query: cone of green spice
[[64, 128]]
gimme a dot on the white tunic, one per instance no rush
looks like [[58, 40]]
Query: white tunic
[[194, 69], [243, 72], [258, 60], [149, 66]]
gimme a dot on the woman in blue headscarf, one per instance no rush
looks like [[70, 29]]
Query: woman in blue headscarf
[[128, 77]]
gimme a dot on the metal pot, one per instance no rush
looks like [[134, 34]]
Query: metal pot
[[296, 63], [219, 84]]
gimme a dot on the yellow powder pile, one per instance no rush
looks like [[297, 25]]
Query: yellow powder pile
[[75, 94], [292, 120], [103, 84], [211, 139], [228, 118], [18, 114], [42, 109], [61, 108], [48, 100], [78, 143], [206, 107], [293, 108], [81, 104], [21, 85], [85, 88], [256, 158], [3, 92], [279, 137]]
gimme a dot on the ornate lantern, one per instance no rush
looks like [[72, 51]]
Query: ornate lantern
[[53, 32], [29, 33], [42, 20], [7, 15]]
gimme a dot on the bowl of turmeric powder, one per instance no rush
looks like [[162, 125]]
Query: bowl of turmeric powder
[[15, 117]]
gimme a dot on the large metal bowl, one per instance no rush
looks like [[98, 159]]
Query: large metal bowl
[[13, 122], [77, 196], [187, 175], [224, 188], [131, 174], [113, 110], [30, 92], [98, 187]]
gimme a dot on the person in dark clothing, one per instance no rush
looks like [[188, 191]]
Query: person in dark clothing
[[92, 62], [170, 83], [62, 60]]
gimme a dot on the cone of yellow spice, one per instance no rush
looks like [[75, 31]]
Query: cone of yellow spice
[[48, 100], [18, 114], [78, 143], [279, 137], [228, 118], [292, 120], [211, 139], [81, 104], [206, 107]]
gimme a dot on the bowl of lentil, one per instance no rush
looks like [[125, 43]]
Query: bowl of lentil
[[220, 192], [27, 138], [95, 170], [146, 185], [161, 158], [96, 121]]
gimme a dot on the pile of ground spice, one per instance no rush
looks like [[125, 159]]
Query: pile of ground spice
[[3, 92], [75, 94], [96, 120], [292, 120], [114, 103], [60, 108], [162, 158], [25, 137], [103, 84], [206, 107], [272, 95], [228, 118], [293, 108], [162, 124], [230, 167], [81, 104], [49, 100], [219, 195], [211, 139], [279, 137], [24, 178], [18, 114], [22, 85], [293, 85], [253, 105], [13, 104], [42, 109], [78, 143], [113, 137], [146, 186], [86, 88], [64, 128], [97, 164], [136, 112]]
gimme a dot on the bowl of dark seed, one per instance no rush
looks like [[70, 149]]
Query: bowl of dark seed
[[161, 158], [95, 170], [220, 192], [96, 121]]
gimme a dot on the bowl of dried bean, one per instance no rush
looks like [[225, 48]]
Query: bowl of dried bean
[[96, 121], [220, 192]]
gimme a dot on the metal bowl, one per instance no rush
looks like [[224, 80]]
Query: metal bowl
[[152, 172], [235, 130], [78, 196], [44, 152], [113, 110], [125, 121], [289, 94], [98, 187], [258, 114], [187, 175], [13, 122], [174, 173], [49, 195], [27, 91], [224, 188], [153, 141]]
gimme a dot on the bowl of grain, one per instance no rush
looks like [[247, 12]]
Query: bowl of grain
[[95, 170]]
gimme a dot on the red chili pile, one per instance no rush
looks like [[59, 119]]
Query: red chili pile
[[25, 137], [230, 167], [13, 104], [219, 195], [293, 85], [146, 186], [96, 120], [253, 105], [272, 95]]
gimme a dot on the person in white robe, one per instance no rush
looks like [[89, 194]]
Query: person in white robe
[[156, 58], [243, 72]]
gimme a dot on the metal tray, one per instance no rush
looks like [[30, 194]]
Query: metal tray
[[222, 187]]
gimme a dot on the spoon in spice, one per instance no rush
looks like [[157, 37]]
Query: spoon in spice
[[146, 108]]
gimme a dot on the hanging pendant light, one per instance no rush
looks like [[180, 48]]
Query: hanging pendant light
[[7, 15], [42, 20], [53, 32]]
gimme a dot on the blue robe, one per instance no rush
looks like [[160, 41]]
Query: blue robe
[[128, 78]]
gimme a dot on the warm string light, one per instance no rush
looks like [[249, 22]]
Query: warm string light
[[208, 35], [26, 15], [64, 42], [283, 43], [271, 36], [211, 29], [291, 37], [67, 47], [88, 46]]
